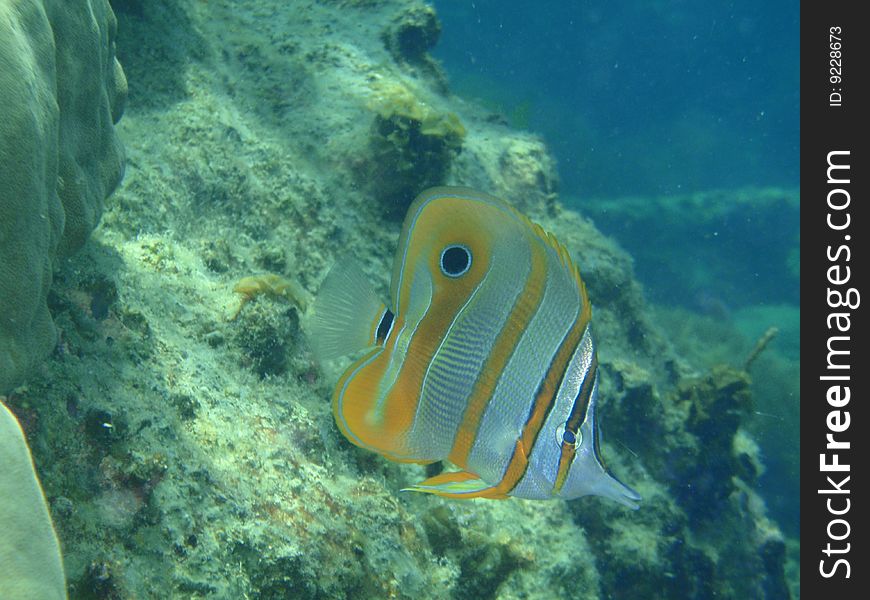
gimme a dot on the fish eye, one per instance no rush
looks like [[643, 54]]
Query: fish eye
[[564, 435], [455, 260]]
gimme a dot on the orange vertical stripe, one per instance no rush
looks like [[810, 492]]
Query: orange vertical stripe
[[521, 314], [401, 401], [448, 298], [544, 401]]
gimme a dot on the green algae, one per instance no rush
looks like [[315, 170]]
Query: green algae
[[411, 146], [267, 335]]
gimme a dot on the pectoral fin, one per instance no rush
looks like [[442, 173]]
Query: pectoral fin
[[459, 484]]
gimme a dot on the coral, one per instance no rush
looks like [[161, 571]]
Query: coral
[[410, 36], [58, 154], [274, 286], [411, 144], [266, 335], [412, 33], [715, 405], [30, 563]]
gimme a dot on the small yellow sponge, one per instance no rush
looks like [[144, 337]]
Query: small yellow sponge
[[30, 563]]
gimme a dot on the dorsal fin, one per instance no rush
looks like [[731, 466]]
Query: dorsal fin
[[561, 251]]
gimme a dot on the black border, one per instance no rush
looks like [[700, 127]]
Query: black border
[[826, 128]]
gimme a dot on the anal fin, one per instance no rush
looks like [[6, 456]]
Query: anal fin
[[458, 484]]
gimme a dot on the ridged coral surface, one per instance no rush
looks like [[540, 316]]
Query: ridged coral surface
[[61, 90]]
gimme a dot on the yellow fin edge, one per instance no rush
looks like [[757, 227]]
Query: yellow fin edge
[[460, 485]]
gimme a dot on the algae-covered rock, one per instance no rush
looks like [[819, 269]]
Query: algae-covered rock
[[61, 90], [30, 563], [528, 173], [266, 335], [411, 146], [412, 34]]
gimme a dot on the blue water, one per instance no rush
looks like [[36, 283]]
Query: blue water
[[638, 97]]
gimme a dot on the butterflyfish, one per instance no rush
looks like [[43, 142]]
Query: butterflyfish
[[484, 356]]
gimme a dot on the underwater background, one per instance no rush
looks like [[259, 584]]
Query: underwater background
[[675, 126], [179, 421]]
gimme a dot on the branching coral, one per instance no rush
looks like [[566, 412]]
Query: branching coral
[[274, 286]]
